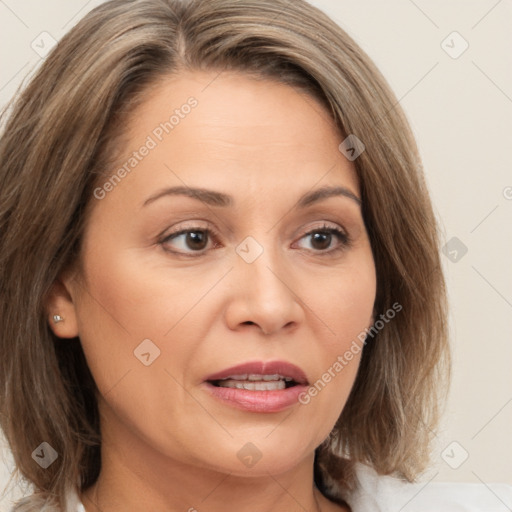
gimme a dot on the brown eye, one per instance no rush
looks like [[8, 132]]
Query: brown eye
[[196, 240], [188, 240], [323, 240]]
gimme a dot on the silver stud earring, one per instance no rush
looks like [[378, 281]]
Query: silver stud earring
[[57, 318]]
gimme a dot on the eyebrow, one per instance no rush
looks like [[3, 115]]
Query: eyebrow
[[214, 198]]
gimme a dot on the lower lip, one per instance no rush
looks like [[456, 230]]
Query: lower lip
[[257, 401]]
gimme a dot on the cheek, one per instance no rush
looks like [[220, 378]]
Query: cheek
[[130, 299], [118, 310], [347, 300], [345, 307]]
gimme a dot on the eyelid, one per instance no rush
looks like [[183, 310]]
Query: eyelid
[[325, 226], [188, 225]]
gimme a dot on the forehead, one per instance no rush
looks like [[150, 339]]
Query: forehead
[[230, 130]]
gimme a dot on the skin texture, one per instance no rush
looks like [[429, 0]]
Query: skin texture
[[168, 445]]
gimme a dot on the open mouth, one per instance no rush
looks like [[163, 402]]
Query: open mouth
[[255, 382], [258, 387]]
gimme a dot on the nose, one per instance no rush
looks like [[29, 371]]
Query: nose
[[264, 296]]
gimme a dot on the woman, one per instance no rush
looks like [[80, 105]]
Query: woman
[[219, 266]]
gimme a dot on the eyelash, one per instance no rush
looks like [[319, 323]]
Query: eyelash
[[343, 238]]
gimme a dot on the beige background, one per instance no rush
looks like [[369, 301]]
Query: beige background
[[460, 110]]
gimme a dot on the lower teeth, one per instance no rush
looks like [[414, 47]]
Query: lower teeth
[[253, 386]]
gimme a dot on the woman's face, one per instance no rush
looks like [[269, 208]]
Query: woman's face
[[179, 285]]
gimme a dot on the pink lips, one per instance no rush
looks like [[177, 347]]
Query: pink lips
[[261, 368], [259, 401]]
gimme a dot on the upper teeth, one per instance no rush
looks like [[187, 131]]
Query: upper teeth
[[253, 386], [258, 377]]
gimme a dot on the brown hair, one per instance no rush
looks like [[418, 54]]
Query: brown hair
[[56, 144]]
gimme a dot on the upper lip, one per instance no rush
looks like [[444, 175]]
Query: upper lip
[[282, 368]]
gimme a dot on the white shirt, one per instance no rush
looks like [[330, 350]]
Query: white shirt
[[377, 493]]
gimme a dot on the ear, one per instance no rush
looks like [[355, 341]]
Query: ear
[[59, 302]]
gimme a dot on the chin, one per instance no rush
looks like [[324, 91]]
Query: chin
[[259, 458]]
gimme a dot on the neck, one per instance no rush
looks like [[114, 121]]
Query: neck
[[134, 476]]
